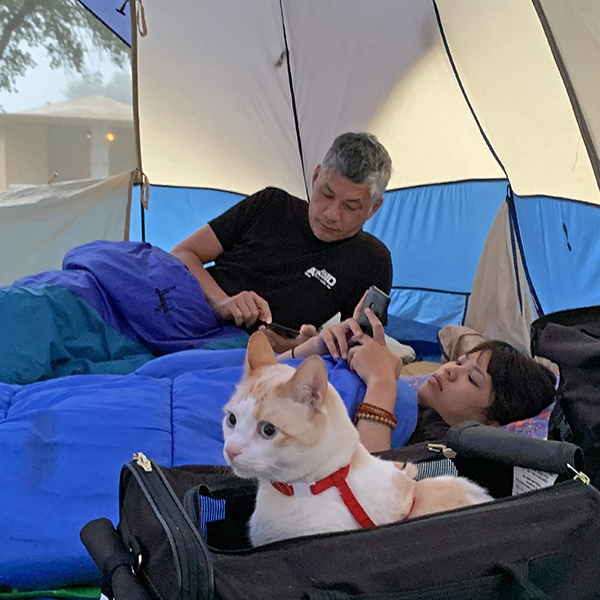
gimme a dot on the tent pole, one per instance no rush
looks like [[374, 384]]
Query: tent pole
[[136, 111]]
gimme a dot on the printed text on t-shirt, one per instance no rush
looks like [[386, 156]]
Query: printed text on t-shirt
[[327, 279]]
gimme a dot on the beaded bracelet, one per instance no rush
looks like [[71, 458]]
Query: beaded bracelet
[[370, 412]]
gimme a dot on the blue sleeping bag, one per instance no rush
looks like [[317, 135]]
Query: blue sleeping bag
[[112, 307], [63, 443]]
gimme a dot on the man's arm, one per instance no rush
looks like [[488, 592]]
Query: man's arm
[[203, 247]]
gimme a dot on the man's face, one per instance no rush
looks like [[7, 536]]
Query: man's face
[[338, 208]]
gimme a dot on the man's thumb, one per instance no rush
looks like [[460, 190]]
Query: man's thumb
[[308, 330]]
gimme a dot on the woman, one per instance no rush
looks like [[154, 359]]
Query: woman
[[494, 384]]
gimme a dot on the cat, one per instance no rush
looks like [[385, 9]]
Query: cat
[[288, 428]]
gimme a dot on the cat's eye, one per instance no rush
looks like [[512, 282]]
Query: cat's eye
[[267, 430], [230, 419]]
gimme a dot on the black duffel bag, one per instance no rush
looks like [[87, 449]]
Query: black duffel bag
[[571, 339]]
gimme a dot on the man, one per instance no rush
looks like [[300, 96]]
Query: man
[[278, 259]]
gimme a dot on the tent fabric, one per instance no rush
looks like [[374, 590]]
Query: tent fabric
[[64, 441], [39, 224], [230, 118], [501, 305], [432, 284], [114, 14], [533, 132], [575, 28], [561, 249]]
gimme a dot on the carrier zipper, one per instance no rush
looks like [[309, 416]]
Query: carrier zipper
[[188, 547], [580, 475], [142, 461], [447, 452]]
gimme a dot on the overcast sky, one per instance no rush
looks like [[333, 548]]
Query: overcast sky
[[42, 84]]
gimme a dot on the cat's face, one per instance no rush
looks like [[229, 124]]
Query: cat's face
[[278, 417]]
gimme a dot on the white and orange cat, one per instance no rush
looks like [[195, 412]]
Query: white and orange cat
[[289, 429]]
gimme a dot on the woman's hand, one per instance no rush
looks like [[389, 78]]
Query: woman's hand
[[336, 339], [375, 364]]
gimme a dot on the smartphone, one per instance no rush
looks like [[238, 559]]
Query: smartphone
[[378, 302], [283, 331]]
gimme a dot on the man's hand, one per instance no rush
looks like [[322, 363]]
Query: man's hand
[[281, 344], [244, 308]]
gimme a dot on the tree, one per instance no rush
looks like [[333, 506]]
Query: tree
[[118, 87], [63, 27]]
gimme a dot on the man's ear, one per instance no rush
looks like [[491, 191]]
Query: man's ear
[[375, 208], [316, 174]]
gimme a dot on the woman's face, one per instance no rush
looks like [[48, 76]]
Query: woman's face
[[460, 390]]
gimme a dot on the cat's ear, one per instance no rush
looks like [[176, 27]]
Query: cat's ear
[[309, 383], [259, 353]]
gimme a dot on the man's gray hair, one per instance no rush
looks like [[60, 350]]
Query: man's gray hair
[[362, 159]]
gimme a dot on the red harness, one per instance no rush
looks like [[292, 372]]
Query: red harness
[[338, 480]]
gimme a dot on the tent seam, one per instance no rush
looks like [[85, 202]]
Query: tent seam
[[400, 189], [566, 79], [293, 98], [424, 289], [105, 23], [464, 92], [514, 224]]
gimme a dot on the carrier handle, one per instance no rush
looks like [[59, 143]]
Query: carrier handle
[[113, 561], [492, 443]]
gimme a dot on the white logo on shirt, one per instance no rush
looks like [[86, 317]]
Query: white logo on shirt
[[327, 279]]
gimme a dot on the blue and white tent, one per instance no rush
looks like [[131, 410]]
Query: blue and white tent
[[490, 110]]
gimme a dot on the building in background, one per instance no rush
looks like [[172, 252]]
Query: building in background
[[90, 137]]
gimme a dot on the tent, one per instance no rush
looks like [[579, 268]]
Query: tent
[[490, 110]]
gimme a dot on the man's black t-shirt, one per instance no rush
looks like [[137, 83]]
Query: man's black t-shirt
[[269, 248]]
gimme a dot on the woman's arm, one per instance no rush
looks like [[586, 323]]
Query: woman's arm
[[373, 362]]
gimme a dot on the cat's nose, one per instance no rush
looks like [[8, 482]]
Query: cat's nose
[[232, 452]]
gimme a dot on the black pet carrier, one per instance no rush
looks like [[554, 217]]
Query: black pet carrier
[[182, 535]]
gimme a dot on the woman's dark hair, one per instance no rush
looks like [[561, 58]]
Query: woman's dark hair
[[521, 387]]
